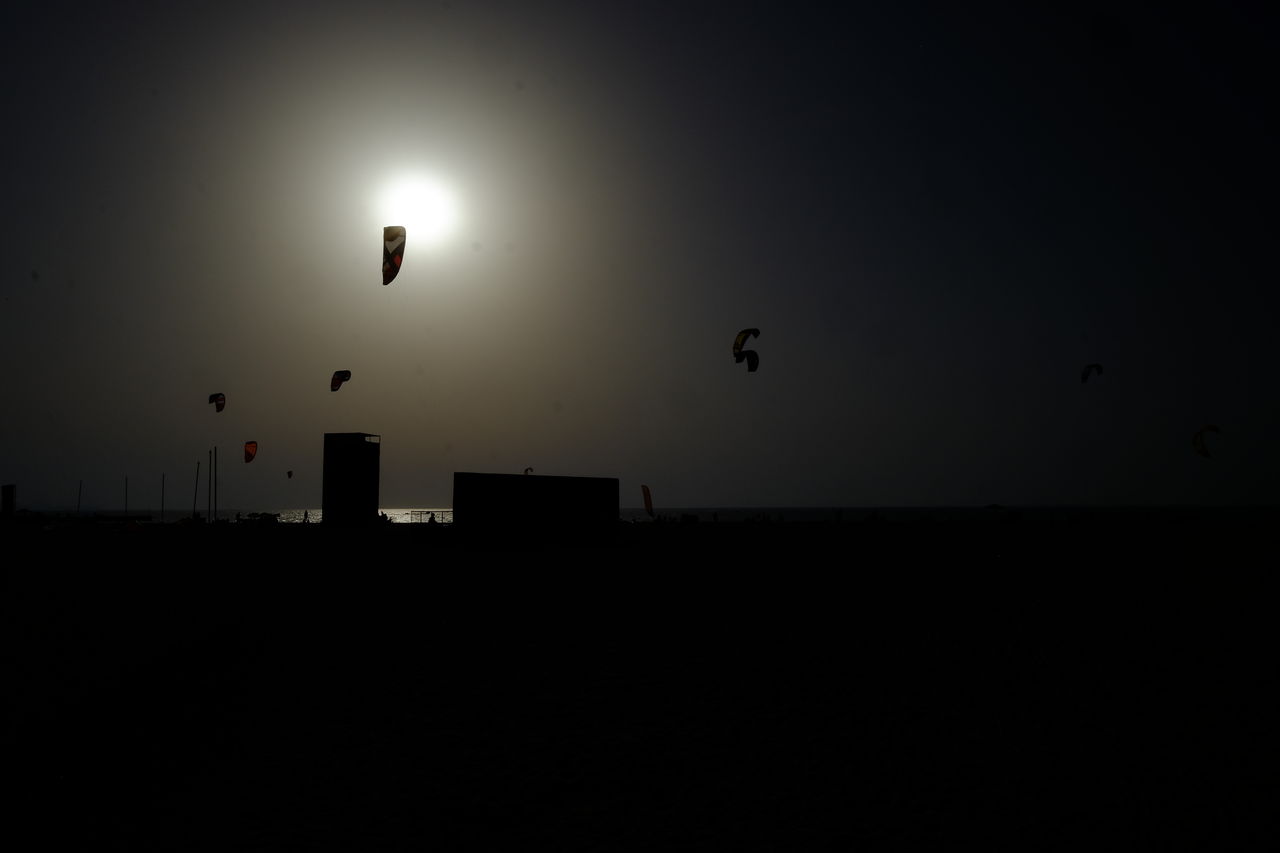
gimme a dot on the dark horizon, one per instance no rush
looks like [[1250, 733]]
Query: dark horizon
[[225, 692]]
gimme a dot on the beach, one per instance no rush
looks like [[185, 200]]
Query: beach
[[681, 686]]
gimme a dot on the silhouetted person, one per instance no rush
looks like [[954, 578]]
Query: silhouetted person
[[306, 516], [431, 519]]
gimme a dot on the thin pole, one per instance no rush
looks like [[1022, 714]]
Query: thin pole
[[215, 483], [195, 495], [208, 491], [162, 498]]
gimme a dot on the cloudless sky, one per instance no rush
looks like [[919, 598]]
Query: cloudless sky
[[936, 214]]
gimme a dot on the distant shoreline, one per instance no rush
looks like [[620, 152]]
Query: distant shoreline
[[740, 514], [1087, 537]]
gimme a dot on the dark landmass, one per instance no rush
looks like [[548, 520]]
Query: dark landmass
[[1096, 679], [994, 532]]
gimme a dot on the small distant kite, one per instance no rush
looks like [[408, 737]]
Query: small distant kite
[[250, 451], [1198, 440], [339, 376], [393, 238], [219, 401], [648, 500], [289, 474], [1090, 368], [739, 354], [528, 470]]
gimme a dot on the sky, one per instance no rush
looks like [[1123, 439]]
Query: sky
[[936, 214]]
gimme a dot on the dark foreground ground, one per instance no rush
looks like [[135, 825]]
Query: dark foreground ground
[[1050, 684]]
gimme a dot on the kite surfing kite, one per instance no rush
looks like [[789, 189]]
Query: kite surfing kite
[[1088, 368], [219, 401], [250, 451], [648, 500], [339, 376], [739, 354], [290, 474], [392, 252], [1198, 440]]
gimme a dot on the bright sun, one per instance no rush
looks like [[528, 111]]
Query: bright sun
[[424, 206]]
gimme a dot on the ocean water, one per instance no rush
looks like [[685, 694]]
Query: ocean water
[[404, 515], [398, 515], [444, 515], [761, 515]]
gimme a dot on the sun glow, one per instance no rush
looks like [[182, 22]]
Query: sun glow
[[426, 208]]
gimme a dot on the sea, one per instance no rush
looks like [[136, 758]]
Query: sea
[[444, 515]]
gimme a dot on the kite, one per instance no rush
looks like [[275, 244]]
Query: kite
[[219, 401], [1198, 440], [648, 500], [1084, 374], [250, 451], [393, 237], [739, 354], [290, 474], [339, 376]]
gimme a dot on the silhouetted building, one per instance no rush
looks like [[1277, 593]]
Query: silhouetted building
[[350, 491], [523, 500]]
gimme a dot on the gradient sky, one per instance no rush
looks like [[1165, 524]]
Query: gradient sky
[[936, 214]]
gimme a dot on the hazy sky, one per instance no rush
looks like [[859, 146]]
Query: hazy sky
[[936, 214]]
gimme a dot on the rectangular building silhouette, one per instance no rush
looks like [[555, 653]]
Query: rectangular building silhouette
[[487, 501], [350, 490]]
